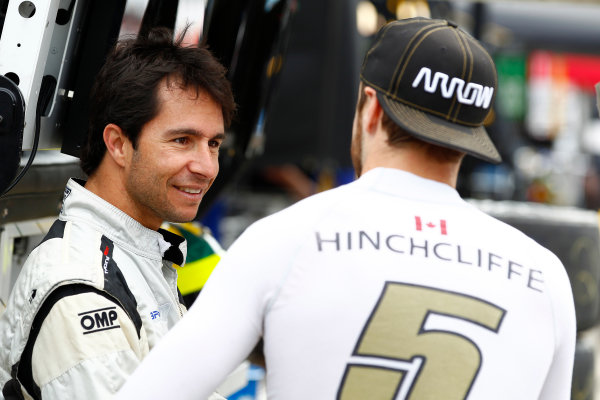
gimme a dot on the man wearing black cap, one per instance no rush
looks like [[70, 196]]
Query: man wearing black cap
[[391, 286]]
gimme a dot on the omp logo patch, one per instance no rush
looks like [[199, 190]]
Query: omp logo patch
[[155, 314], [469, 94], [98, 320]]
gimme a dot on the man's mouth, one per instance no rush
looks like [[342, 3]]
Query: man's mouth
[[189, 190]]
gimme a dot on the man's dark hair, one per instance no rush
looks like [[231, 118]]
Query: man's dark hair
[[398, 137], [125, 92]]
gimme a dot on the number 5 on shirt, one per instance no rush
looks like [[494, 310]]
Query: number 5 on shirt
[[447, 361]]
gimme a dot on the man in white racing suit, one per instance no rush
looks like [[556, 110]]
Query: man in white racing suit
[[101, 289], [390, 287]]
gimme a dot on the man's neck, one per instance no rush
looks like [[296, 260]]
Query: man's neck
[[111, 188], [416, 162]]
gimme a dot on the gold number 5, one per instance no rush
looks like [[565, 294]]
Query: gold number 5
[[449, 361]]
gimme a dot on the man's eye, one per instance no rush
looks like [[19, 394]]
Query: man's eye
[[214, 143], [182, 140]]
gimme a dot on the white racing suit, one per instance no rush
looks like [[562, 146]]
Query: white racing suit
[[92, 299]]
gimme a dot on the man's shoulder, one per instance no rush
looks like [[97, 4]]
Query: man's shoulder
[[49, 266], [59, 258], [62, 236]]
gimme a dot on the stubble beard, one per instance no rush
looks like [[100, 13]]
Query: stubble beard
[[149, 195]]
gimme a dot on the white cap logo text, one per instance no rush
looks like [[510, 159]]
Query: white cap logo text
[[469, 94]]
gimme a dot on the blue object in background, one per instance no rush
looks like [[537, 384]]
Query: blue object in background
[[345, 175], [212, 218], [255, 375]]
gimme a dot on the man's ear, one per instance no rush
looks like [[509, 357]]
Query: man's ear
[[372, 111], [118, 146]]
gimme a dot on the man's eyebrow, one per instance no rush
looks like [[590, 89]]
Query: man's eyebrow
[[194, 132]]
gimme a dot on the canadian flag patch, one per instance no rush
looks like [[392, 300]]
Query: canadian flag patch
[[422, 225]]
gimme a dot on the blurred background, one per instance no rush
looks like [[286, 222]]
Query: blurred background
[[294, 67], [545, 121]]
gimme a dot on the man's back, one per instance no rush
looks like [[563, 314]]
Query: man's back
[[417, 288], [391, 285]]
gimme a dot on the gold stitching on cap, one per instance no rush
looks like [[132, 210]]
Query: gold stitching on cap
[[470, 64], [489, 57], [397, 77], [393, 96], [477, 142], [374, 46], [453, 115], [424, 109]]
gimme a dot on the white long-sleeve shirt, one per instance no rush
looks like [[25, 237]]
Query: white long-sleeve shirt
[[389, 287]]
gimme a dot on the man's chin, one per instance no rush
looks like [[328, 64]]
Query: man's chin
[[180, 219], [183, 216]]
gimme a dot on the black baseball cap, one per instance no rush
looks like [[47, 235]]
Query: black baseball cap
[[436, 82]]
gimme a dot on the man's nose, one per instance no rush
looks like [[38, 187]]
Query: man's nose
[[204, 162]]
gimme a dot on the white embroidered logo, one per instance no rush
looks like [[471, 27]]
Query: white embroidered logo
[[472, 93]]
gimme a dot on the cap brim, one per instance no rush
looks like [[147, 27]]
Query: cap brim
[[471, 140]]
